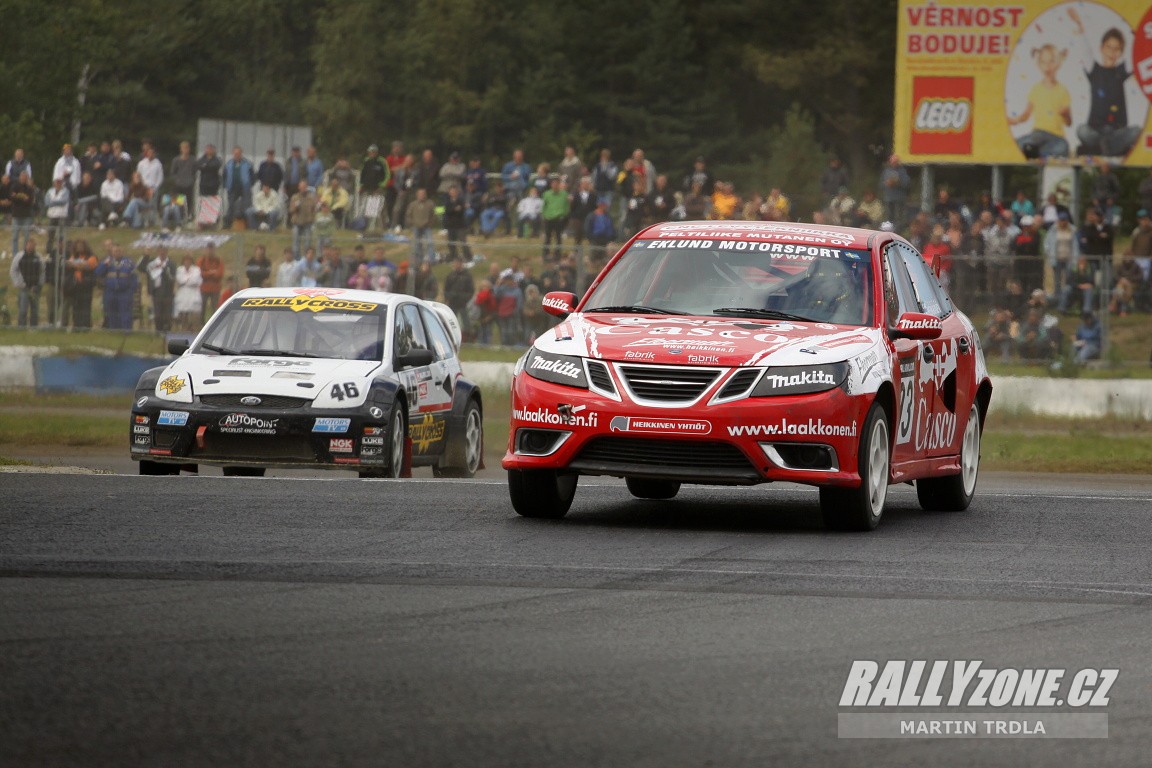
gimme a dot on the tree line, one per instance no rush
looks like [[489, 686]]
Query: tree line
[[678, 78]]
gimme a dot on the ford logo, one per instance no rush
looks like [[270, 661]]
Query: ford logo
[[250, 400]]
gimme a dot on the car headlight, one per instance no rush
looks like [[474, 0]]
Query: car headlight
[[800, 379], [558, 369]]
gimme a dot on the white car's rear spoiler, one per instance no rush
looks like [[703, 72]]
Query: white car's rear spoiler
[[450, 321]]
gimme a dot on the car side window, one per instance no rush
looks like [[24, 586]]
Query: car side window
[[924, 282], [899, 295], [441, 345], [409, 331]]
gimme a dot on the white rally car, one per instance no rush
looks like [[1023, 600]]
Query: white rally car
[[313, 377]]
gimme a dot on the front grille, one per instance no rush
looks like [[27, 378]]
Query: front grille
[[668, 385], [266, 401], [254, 447], [688, 455], [599, 376], [739, 384]]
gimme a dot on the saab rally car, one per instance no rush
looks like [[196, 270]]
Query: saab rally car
[[749, 352], [313, 377]]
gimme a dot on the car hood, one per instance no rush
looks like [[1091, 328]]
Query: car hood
[[706, 340], [238, 374]]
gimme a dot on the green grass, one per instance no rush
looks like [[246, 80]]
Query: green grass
[[7, 462], [1085, 452], [45, 428]]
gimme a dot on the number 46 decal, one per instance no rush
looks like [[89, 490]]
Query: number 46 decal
[[347, 389]]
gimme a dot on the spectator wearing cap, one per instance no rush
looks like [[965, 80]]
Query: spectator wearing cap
[[1062, 251], [451, 175], [270, 172]]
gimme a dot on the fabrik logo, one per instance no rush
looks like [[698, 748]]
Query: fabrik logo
[[942, 112], [562, 367]]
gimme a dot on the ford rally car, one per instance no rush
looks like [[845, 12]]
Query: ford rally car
[[737, 353], [313, 377]]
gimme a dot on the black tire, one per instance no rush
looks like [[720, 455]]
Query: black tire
[[397, 440], [860, 508], [156, 468], [541, 492], [243, 471], [464, 451], [953, 493], [646, 488]]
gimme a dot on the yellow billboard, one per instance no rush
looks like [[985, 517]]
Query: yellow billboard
[[1036, 80]]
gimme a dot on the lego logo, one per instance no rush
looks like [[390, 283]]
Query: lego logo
[[943, 115]]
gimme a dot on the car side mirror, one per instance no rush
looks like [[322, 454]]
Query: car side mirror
[[559, 303], [178, 346], [415, 359], [916, 325]]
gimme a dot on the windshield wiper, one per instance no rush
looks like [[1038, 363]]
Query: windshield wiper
[[638, 309], [276, 353], [217, 349], [771, 314]]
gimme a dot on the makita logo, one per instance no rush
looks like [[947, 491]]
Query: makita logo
[[562, 367], [943, 114], [801, 379], [926, 323], [559, 304]]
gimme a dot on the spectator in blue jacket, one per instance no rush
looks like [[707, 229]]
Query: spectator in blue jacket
[[238, 178], [515, 175], [315, 170], [1088, 339], [118, 274]]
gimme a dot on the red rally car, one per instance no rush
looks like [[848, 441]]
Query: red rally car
[[735, 353]]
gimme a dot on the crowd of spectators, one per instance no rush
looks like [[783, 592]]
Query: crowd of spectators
[[986, 251]]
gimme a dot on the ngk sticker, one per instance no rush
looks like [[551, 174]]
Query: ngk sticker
[[942, 110]]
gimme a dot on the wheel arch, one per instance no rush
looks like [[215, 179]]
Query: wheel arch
[[983, 400]]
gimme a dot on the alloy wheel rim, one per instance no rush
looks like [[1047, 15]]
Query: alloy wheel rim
[[397, 444], [878, 468], [970, 452], [472, 436]]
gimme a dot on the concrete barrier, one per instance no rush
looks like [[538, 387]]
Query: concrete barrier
[[1084, 398]]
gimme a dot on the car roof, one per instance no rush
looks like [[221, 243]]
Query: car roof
[[765, 231]]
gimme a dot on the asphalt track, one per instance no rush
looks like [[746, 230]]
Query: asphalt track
[[330, 621]]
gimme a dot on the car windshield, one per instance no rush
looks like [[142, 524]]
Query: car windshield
[[298, 326], [735, 278]]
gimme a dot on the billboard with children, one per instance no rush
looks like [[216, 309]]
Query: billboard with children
[[1035, 80]]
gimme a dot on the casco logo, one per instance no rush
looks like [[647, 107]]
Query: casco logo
[[943, 114], [943, 110]]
